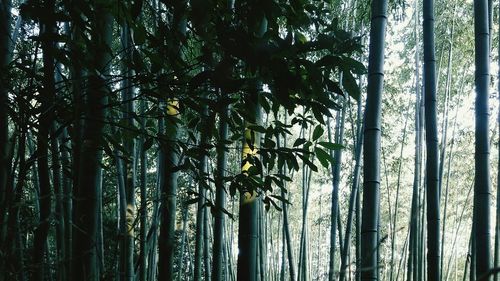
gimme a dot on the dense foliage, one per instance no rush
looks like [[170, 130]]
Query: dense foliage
[[228, 140]]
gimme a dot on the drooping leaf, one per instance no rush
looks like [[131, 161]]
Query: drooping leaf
[[323, 157], [318, 132], [299, 141], [350, 85], [330, 145]]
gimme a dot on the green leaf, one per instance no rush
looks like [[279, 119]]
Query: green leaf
[[257, 128], [301, 38], [274, 204], [281, 198], [323, 157], [318, 115], [318, 132], [308, 162], [233, 187], [330, 145], [350, 85], [355, 66], [299, 141], [329, 61]]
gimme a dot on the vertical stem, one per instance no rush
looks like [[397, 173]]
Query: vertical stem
[[371, 169], [337, 155], [482, 188], [220, 197], [496, 260], [86, 193], [432, 142], [144, 197]]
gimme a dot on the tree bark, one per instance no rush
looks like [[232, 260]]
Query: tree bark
[[128, 161], [337, 155], [431, 137], [248, 228], [372, 132], [144, 198], [169, 155], [47, 98], [353, 198], [496, 259], [168, 183], [220, 198], [5, 31], [85, 196], [482, 187]]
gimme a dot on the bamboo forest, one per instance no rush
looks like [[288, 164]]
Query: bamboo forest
[[249, 140]]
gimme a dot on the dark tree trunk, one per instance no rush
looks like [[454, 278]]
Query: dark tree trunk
[[168, 186], [47, 95], [248, 228], [85, 201], [496, 258], [220, 198], [199, 252], [432, 142], [372, 133], [337, 155], [482, 187], [353, 198], [5, 30], [59, 214], [248, 223], [144, 198], [169, 157], [128, 161]]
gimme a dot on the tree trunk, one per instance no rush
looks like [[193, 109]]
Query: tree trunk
[[202, 194], [15, 256], [444, 143], [337, 155], [353, 198], [47, 95], [5, 31], [169, 155], [248, 228], [168, 185], [183, 246], [431, 137], [67, 199], [85, 196], [220, 198], [482, 188], [303, 268], [206, 244], [128, 161], [59, 213], [496, 260], [412, 269], [371, 168], [286, 227], [144, 197]]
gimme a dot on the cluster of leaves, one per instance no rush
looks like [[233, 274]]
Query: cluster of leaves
[[218, 54]]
